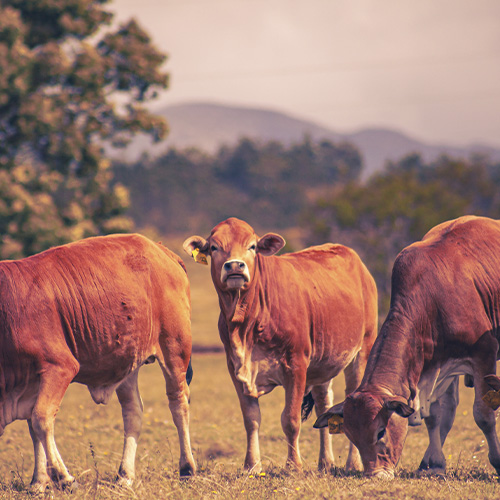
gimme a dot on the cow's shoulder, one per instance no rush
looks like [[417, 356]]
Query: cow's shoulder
[[451, 252], [470, 226], [444, 228]]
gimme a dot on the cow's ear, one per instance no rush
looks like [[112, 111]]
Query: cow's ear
[[493, 381], [197, 247], [270, 243], [399, 406], [322, 420]]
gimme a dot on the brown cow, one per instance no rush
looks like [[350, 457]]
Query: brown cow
[[92, 312], [294, 321], [444, 321]]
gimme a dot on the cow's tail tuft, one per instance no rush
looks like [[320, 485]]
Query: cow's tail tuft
[[307, 406], [189, 372]]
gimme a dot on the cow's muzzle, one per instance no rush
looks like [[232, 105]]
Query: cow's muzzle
[[384, 474], [235, 274]]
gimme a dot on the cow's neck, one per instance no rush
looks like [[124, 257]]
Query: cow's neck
[[235, 305], [397, 359], [242, 311], [238, 305]]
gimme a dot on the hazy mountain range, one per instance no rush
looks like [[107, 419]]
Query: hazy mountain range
[[208, 126]]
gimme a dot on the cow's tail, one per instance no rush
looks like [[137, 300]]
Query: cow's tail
[[307, 406], [189, 373]]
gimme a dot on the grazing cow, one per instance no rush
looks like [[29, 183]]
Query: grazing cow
[[92, 312], [294, 321], [444, 321]]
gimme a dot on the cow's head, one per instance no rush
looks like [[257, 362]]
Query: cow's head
[[373, 423], [233, 247]]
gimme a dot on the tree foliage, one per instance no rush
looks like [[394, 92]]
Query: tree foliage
[[267, 184], [397, 207], [68, 87]]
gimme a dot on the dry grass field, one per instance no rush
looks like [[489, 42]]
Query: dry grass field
[[90, 441]]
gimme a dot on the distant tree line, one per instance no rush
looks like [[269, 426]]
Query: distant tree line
[[313, 186], [269, 185]]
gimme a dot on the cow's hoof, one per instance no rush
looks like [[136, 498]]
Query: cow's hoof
[[432, 467], [186, 471], [38, 488], [325, 465], [253, 469], [294, 467], [431, 471], [69, 485], [354, 465], [123, 481]]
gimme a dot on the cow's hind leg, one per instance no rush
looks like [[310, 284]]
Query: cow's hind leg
[[323, 400], [132, 409], [54, 382], [439, 423], [40, 477], [174, 367]]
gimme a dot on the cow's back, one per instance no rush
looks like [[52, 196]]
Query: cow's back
[[453, 276], [326, 296]]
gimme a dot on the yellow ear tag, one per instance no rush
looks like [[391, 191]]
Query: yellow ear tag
[[492, 399], [336, 424], [199, 257]]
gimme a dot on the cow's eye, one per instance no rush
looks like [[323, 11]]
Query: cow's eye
[[213, 248], [381, 434], [253, 247]]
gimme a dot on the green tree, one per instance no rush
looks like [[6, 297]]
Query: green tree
[[70, 84], [397, 207]]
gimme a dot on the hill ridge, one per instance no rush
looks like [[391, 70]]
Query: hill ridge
[[209, 125]]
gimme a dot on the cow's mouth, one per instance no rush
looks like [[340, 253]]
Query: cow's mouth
[[236, 280]]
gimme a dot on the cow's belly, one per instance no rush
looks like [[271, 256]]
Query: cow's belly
[[103, 379], [324, 369], [18, 404], [259, 371], [434, 383], [269, 376], [262, 370]]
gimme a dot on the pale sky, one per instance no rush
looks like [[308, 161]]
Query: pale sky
[[428, 68]]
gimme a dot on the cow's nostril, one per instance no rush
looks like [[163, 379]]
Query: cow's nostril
[[227, 266], [241, 265]]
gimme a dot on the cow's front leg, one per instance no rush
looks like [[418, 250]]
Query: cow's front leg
[[323, 400], [132, 409], [485, 420], [251, 419], [353, 373], [439, 423], [290, 418], [250, 409]]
